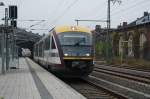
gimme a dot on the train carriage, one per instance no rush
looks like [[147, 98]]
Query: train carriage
[[67, 51]]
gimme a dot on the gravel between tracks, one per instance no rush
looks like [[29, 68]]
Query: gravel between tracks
[[89, 91]]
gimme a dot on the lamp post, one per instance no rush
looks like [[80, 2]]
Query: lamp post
[[3, 46], [6, 33]]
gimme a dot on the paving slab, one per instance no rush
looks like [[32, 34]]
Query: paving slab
[[31, 81], [57, 88], [18, 83]]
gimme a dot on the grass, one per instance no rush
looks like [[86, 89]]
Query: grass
[[130, 62]]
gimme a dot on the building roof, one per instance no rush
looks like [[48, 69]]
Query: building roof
[[142, 20]]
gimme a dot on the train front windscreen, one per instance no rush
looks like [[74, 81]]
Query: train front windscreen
[[76, 43]]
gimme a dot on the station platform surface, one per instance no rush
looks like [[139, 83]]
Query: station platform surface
[[31, 81]]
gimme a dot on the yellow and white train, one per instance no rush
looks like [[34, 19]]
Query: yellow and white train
[[66, 51]]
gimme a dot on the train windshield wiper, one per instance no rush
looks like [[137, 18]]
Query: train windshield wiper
[[78, 43]]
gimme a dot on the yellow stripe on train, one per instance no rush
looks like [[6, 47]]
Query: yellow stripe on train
[[77, 58], [71, 28]]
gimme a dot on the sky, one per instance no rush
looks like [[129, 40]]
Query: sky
[[64, 12]]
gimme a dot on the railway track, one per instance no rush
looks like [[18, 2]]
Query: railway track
[[124, 72], [127, 67], [130, 83], [135, 67], [92, 90]]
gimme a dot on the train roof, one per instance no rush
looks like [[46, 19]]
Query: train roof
[[61, 29]]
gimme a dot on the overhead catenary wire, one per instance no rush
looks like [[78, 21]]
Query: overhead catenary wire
[[64, 12], [94, 10], [134, 13], [133, 5], [57, 8], [130, 7], [130, 15]]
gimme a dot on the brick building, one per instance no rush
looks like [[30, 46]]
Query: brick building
[[133, 40]]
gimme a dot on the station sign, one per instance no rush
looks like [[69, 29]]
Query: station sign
[[13, 12]]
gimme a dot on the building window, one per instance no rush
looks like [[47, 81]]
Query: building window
[[142, 41], [130, 46], [120, 46]]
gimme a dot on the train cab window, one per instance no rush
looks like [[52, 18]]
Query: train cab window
[[53, 46], [75, 39]]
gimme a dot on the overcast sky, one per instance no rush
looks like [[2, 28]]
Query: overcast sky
[[60, 12]]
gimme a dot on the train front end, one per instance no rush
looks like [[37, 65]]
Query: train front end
[[77, 51]]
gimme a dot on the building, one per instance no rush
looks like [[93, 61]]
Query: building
[[100, 41], [133, 40]]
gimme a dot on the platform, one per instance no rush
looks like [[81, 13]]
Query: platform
[[31, 81]]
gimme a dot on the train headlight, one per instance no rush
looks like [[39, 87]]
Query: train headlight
[[87, 54], [65, 54]]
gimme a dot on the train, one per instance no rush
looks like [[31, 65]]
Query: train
[[66, 51], [25, 52]]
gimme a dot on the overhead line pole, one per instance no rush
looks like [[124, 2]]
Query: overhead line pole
[[109, 26], [108, 29]]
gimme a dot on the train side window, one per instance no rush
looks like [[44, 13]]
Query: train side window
[[47, 43], [38, 54], [53, 46], [37, 50], [34, 50], [0, 47], [43, 48], [41, 45], [40, 49]]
